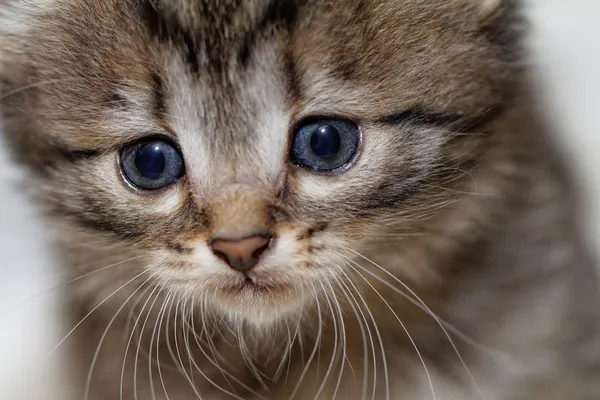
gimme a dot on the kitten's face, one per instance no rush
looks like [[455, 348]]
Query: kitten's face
[[248, 149]]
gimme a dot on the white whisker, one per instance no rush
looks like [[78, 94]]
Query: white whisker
[[62, 285], [360, 318], [88, 314], [36, 85], [428, 375], [105, 333], [335, 344], [154, 333], [314, 351], [133, 334], [426, 308], [169, 300], [137, 351], [180, 364], [343, 340], [379, 339], [195, 365]]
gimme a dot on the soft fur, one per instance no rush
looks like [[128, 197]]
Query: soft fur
[[444, 263]]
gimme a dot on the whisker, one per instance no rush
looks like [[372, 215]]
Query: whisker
[[314, 351], [139, 342], [297, 336], [365, 332], [158, 319], [35, 85], [186, 338], [426, 309], [175, 335], [343, 340], [210, 339], [379, 339], [284, 356], [248, 358], [87, 315], [420, 305], [197, 338], [428, 375], [272, 346], [130, 315], [133, 334], [335, 345], [62, 285], [105, 333], [169, 300], [217, 386]]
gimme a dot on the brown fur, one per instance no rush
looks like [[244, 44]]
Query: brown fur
[[456, 196]]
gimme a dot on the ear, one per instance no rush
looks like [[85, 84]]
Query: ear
[[488, 8]]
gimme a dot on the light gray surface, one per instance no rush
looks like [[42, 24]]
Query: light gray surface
[[566, 47], [29, 319]]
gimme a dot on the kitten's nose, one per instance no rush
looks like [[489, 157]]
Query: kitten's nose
[[241, 254]]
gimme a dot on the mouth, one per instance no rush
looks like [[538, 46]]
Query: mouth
[[253, 289], [252, 285], [258, 299], [248, 281]]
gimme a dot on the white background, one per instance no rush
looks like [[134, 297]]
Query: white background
[[566, 46]]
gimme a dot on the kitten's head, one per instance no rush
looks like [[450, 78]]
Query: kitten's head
[[251, 149]]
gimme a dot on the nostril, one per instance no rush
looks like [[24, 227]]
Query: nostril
[[259, 252], [221, 255]]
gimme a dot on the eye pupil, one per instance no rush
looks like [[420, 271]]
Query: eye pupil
[[325, 142], [150, 161]]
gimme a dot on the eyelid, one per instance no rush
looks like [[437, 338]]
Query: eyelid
[[466, 123], [151, 138], [77, 154], [418, 115]]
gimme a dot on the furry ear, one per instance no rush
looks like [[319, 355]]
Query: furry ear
[[488, 8]]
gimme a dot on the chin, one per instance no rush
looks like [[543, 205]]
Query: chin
[[261, 303]]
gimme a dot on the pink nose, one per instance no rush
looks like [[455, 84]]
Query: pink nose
[[241, 254]]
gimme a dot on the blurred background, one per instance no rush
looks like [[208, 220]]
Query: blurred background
[[565, 48], [565, 45]]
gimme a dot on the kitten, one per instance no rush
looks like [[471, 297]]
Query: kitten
[[275, 199]]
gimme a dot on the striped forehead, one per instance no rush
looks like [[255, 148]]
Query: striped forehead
[[226, 101], [214, 35], [240, 135]]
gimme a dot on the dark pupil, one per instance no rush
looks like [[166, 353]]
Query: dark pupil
[[325, 142], [150, 161]]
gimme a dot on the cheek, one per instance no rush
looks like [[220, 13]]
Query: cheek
[[308, 259], [94, 195], [390, 169], [197, 266], [324, 188], [288, 260], [202, 266], [100, 179], [286, 279]]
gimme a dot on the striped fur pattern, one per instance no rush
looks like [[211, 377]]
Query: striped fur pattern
[[444, 263]]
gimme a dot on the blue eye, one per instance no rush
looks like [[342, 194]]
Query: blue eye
[[325, 145], [151, 165]]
